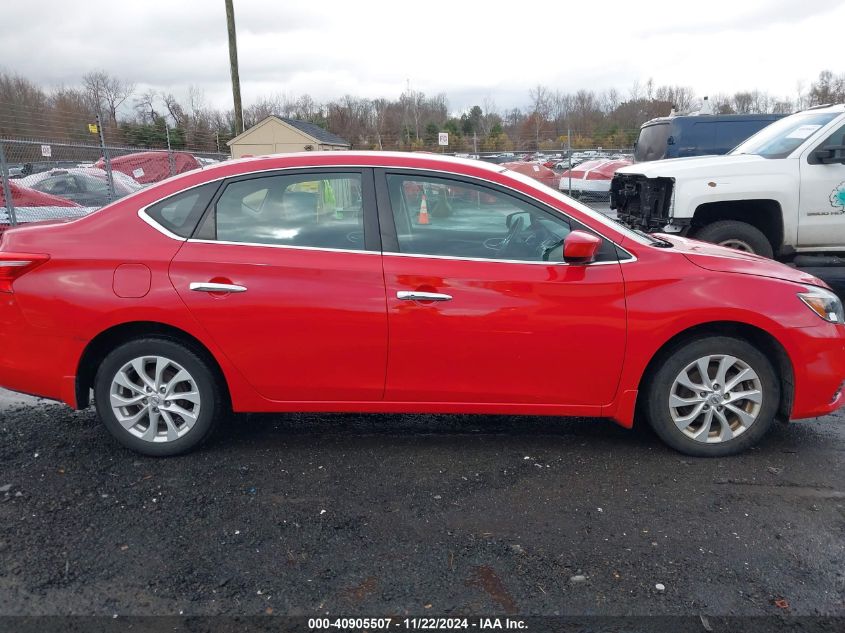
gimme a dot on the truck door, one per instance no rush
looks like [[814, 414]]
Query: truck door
[[822, 196]]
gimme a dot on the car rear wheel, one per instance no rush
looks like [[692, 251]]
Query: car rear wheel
[[157, 396], [737, 235], [713, 397]]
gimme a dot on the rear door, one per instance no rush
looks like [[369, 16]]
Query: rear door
[[476, 313], [285, 274]]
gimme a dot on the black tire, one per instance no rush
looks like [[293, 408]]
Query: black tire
[[732, 230], [211, 403], [671, 364]]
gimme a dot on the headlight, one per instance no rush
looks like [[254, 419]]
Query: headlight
[[824, 303]]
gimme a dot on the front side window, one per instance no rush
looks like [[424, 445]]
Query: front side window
[[313, 210], [437, 216], [835, 140]]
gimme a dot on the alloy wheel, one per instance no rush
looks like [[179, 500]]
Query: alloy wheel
[[715, 398], [155, 399]]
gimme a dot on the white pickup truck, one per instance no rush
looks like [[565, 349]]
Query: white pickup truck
[[778, 194]]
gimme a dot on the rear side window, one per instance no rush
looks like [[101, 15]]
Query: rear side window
[[179, 214], [317, 210]]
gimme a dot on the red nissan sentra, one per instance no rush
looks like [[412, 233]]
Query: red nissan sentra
[[382, 282]]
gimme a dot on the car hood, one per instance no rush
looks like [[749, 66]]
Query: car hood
[[713, 166], [727, 260]]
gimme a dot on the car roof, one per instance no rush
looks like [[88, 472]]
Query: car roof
[[386, 158], [411, 160], [839, 107], [713, 118]]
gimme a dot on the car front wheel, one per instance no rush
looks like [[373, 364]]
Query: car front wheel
[[157, 396], [713, 397]]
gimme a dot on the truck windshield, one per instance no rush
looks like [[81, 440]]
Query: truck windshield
[[782, 137], [651, 143]]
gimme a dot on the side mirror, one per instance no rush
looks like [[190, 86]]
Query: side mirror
[[831, 154], [580, 247]]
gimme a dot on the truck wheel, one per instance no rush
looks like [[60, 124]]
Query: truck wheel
[[739, 235]]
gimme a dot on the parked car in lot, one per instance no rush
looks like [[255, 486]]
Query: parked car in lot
[[31, 206], [536, 171], [87, 187], [150, 167], [271, 285], [591, 177], [15, 170]]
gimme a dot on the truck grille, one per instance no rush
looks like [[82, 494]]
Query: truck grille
[[640, 202]]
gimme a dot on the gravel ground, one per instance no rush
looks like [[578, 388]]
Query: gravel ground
[[375, 515]]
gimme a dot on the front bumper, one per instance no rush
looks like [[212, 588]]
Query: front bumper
[[818, 361]]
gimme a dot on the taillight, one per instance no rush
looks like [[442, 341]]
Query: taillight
[[14, 265]]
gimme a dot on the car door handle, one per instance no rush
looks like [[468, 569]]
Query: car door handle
[[209, 286], [415, 295]]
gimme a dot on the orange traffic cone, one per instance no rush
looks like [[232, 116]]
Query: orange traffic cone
[[423, 216]]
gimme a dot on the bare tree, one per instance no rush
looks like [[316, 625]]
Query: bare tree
[[174, 109], [541, 107], [742, 102], [107, 93], [828, 88], [145, 106]]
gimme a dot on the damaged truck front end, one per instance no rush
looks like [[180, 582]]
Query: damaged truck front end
[[642, 203]]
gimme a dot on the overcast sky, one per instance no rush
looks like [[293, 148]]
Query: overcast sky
[[469, 50]]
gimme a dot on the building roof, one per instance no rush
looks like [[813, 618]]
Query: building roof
[[315, 131]]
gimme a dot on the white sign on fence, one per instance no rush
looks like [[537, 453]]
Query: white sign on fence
[[46, 151], [443, 138]]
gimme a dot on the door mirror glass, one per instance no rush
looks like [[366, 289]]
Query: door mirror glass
[[580, 247]]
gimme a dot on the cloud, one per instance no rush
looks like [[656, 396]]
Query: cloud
[[467, 50]]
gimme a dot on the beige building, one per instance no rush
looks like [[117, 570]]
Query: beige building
[[275, 135]]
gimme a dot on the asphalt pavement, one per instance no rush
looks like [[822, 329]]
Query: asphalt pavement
[[416, 514]]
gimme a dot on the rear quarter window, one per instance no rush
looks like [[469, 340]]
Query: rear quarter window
[[180, 213]]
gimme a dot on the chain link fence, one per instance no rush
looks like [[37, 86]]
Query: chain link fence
[[44, 179], [73, 171]]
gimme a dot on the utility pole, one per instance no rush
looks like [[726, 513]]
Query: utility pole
[[106, 159], [233, 66]]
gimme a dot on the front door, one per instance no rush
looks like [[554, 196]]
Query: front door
[[283, 279], [822, 197], [481, 307]]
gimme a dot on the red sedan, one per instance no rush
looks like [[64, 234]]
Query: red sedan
[[315, 282]]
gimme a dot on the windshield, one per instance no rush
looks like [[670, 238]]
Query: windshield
[[651, 143], [782, 137], [637, 236]]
